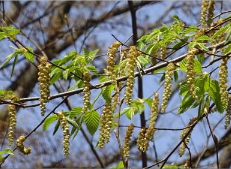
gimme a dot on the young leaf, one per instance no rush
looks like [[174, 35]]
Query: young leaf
[[73, 123], [74, 112], [7, 151], [106, 92], [89, 56], [15, 61], [56, 127], [28, 54], [186, 103], [49, 120], [91, 119], [8, 58]]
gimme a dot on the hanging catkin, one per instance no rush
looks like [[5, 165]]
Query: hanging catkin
[[131, 65], [210, 12], [186, 140], [66, 135], [228, 114], [105, 125], [86, 91], [127, 139], [167, 86], [12, 120], [190, 74], [204, 12], [223, 75], [44, 82], [111, 60]]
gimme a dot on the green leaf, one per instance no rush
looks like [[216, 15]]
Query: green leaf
[[89, 56], [197, 66], [56, 127], [186, 103], [106, 92], [183, 88], [116, 115], [220, 31], [8, 58], [74, 86], [148, 101], [28, 55], [175, 76], [143, 60], [91, 119], [2, 35], [176, 17], [49, 120], [15, 61], [227, 49], [202, 38], [130, 113], [91, 68], [138, 106], [73, 123], [213, 89], [190, 31], [120, 165], [172, 167], [202, 47], [74, 112], [7, 151], [56, 76]]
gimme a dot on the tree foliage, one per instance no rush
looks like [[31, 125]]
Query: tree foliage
[[109, 93]]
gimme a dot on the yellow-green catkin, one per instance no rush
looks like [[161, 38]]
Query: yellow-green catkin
[[223, 75], [204, 12], [127, 141], [111, 60], [167, 86], [66, 135], [105, 125], [163, 52], [115, 98], [142, 142], [44, 80], [186, 140], [13, 121], [131, 65], [211, 8], [86, 91], [190, 74], [154, 114], [21, 147], [228, 114]]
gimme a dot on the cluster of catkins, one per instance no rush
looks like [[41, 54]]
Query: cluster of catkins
[[190, 74], [21, 147], [86, 90], [66, 135], [145, 135], [186, 140], [207, 13], [131, 65], [105, 125], [127, 140], [111, 59], [223, 74], [44, 80], [167, 86], [13, 121]]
